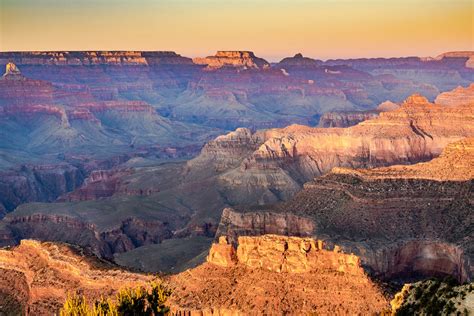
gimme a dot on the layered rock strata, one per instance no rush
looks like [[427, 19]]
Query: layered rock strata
[[460, 95], [276, 275], [238, 59], [403, 221], [35, 277], [345, 118], [417, 131]]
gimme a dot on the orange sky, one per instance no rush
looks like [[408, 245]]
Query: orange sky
[[272, 29]]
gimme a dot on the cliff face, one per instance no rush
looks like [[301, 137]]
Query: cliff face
[[238, 59], [35, 277], [226, 151], [234, 224], [345, 118], [454, 164], [403, 221], [282, 254], [275, 274], [288, 157], [89, 58], [37, 183], [15, 89], [103, 237], [460, 95], [298, 61]]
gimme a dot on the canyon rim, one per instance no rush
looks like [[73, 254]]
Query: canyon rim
[[196, 158]]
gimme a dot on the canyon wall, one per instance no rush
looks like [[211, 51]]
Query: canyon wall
[[402, 221], [274, 274], [417, 131], [37, 277]]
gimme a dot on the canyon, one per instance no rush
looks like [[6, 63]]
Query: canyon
[[37, 277], [242, 169], [276, 275], [306, 172], [403, 222]]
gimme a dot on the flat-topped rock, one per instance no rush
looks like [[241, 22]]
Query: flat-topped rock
[[234, 59]]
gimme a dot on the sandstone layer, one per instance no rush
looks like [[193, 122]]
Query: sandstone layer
[[35, 277], [241, 59], [460, 95], [345, 118], [404, 222], [417, 131], [276, 275]]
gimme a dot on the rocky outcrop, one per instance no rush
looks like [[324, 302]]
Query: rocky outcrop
[[36, 277], [226, 151], [345, 118], [99, 184], [89, 58], [236, 59], [104, 239], [277, 253], [432, 297], [403, 221], [17, 90], [234, 224], [460, 95], [11, 70], [37, 183], [275, 275], [417, 131], [467, 55], [387, 106], [298, 61], [454, 164]]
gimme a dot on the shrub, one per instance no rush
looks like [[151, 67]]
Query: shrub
[[150, 300]]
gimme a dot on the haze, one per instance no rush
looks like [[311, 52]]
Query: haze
[[273, 29]]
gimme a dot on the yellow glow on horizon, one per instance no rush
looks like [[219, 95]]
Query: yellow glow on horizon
[[272, 29]]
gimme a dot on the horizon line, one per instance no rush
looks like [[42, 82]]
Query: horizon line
[[270, 58]]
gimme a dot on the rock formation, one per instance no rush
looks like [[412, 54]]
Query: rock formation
[[237, 59], [454, 164], [345, 118], [35, 277], [434, 297], [387, 106], [274, 274], [403, 221], [88, 58], [37, 183], [298, 61], [288, 157], [457, 96], [11, 70], [467, 55]]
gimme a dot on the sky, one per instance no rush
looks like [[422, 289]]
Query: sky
[[273, 29]]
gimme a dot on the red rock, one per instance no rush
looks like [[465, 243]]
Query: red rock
[[457, 96], [239, 59]]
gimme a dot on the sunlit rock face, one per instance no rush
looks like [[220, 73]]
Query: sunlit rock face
[[460, 95], [404, 222], [88, 58], [275, 275], [238, 59], [11, 70], [35, 277], [15, 89], [282, 254], [417, 131]]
